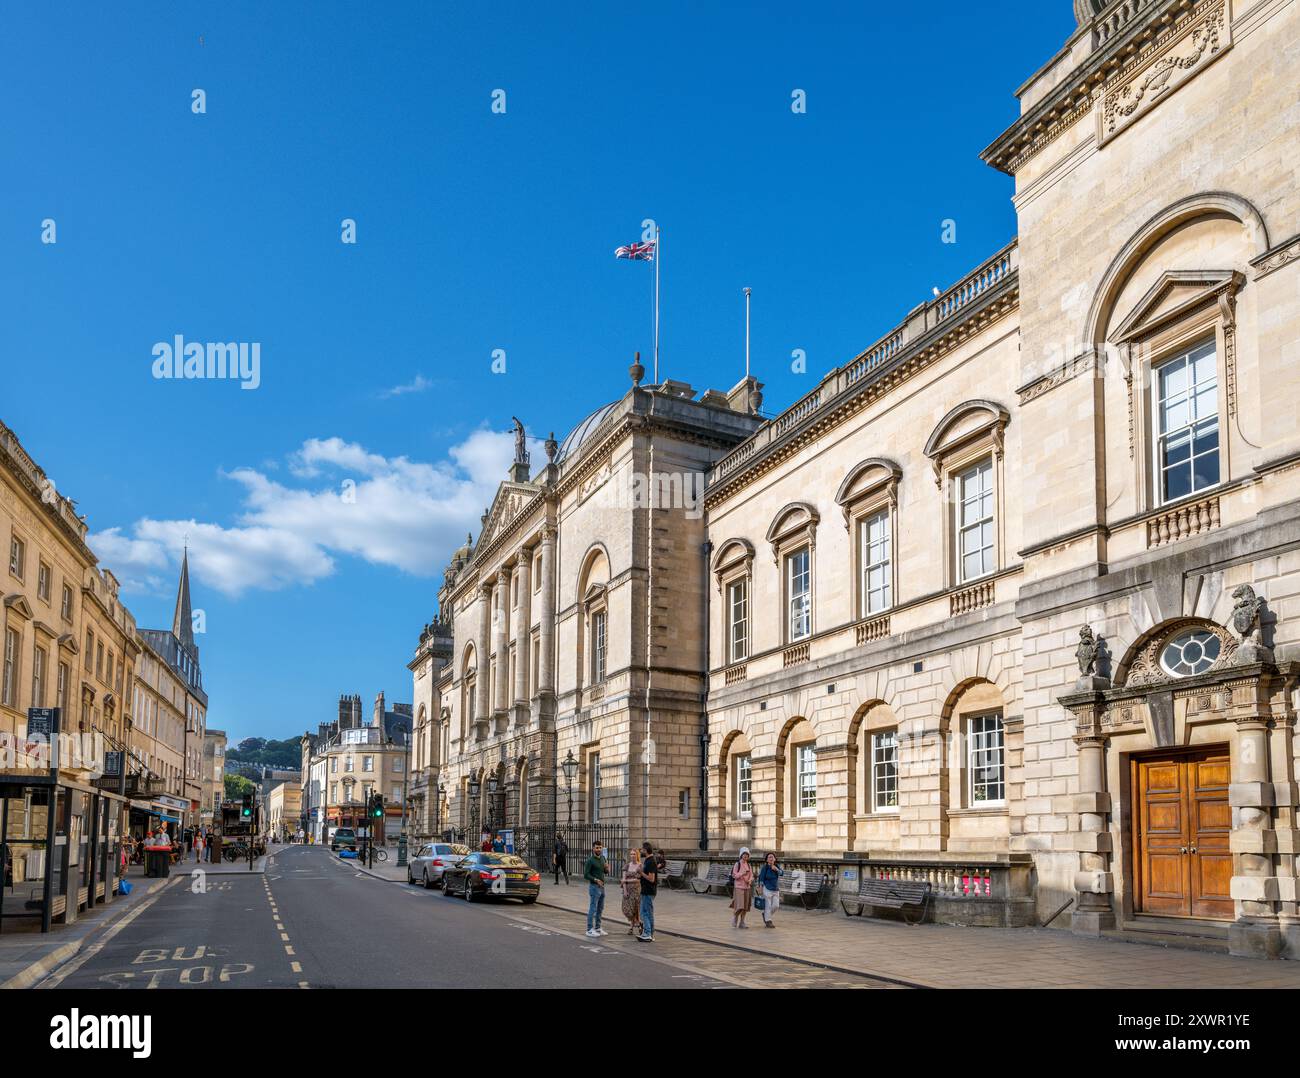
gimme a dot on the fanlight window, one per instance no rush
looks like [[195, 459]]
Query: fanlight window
[[1190, 653]]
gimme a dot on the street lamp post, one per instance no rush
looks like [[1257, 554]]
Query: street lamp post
[[442, 792], [493, 784], [570, 768]]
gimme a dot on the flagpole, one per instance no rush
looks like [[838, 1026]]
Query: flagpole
[[658, 253], [746, 332]]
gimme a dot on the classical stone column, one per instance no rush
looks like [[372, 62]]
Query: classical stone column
[[483, 671], [1255, 884], [501, 645], [523, 639], [1093, 883], [546, 629]]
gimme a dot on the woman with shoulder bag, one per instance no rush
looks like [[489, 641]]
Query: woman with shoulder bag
[[742, 880], [768, 885]]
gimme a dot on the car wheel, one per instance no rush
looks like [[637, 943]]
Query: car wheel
[[446, 889], [529, 900], [427, 884], [469, 891]]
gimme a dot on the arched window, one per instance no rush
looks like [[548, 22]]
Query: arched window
[[801, 770]]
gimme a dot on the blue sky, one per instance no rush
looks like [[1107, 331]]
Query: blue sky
[[475, 231]]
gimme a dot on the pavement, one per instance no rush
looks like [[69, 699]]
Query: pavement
[[930, 956], [948, 956]]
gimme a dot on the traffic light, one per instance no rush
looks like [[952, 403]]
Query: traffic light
[[246, 809], [377, 805]]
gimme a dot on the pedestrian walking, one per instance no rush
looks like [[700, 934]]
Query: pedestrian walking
[[649, 876], [742, 888], [594, 872], [198, 847], [560, 858], [768, 885], [631, 883]]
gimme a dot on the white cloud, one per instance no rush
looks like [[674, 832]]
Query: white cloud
[[417, 385], [346, 501]]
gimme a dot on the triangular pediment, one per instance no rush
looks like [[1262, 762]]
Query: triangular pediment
[[511, 499], [18, 605], [1175, 295]]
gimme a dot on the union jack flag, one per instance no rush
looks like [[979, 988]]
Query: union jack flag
[[638, 252]]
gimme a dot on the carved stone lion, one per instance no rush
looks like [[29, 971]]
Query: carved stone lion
[[1087, 651], [1245, 613]]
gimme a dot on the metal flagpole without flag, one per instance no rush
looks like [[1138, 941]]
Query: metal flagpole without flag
[[747, 291]]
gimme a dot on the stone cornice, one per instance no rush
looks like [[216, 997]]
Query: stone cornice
[[33, 480], [1275, 258], [997, 302], [1122, 54]]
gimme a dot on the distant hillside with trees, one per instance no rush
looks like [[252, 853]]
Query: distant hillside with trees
[[264, 752]]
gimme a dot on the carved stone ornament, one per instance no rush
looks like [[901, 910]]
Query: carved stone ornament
[[1087, 651], [1135, 92], [1146, 668], [1246, 611]]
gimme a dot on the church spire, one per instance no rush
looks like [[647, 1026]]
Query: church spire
[[183, 619]]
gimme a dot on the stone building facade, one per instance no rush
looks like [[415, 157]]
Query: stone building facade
[[1010, 602], [347, 760], [214, 774], [573, 629]]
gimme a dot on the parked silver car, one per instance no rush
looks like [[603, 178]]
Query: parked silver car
[[431, 861]]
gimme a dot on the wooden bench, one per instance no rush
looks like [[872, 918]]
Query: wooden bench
[[805, 886], [58, 905], [674, 874], [889, 894], [718, 875]]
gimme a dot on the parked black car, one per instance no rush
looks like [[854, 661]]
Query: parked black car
[[481, 875]]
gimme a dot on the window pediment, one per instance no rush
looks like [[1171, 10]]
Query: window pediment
[[797, 521], [1177, 295], [594, 595], [969, 423], [868, 479], [732, 555], [18, 605]]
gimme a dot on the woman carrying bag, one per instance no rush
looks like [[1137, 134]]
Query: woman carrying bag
[[742, 879], [768, 885]]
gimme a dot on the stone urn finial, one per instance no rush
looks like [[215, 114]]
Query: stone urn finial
[[636, 371], [552, 447]]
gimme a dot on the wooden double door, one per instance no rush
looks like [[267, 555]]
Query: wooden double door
[[1181, 825]]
